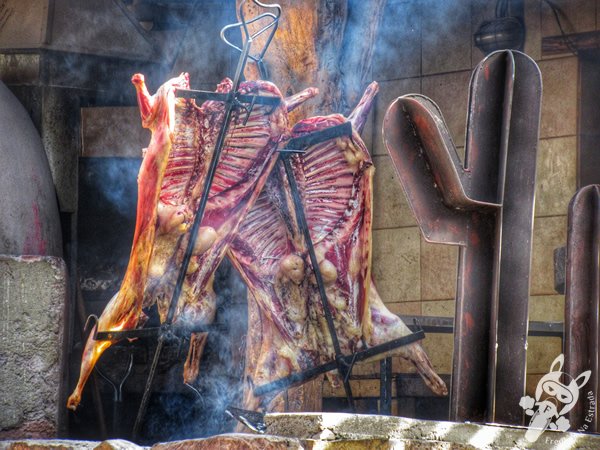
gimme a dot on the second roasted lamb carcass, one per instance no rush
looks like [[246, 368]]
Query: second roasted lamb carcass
[[335, 184]]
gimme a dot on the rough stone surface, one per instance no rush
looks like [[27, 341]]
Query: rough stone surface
[[336, 431], [32, 302], [43, 444], [414, 433], [234, 441], [64, 444], [118, 444]]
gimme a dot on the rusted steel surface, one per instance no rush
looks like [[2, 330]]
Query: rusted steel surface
[[582, 336], [486, 207]]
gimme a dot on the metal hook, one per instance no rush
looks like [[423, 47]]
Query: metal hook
[[87, 323], [118, 388], [273, 24], [196, 391]]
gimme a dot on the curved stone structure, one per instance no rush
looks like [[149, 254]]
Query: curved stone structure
[[29, 219]]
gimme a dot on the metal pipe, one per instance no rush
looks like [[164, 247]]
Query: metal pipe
[[582, 303]]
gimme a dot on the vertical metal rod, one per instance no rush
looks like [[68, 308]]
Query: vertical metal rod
[[302, 223], [144, 403], [385, 386], [229, 106]]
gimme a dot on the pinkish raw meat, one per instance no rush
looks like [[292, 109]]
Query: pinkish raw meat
[[184, 136], [335, 183]]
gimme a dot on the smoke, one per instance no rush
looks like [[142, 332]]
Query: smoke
[[110, 183], [196, 411], [200, 410], [106, 220], [421, 37]]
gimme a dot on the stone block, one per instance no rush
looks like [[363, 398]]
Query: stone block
[[397, 52], [388, 92], [29, 217], [547, 308], [541, 351], [113, 131], [405, 308], [390, 206], [339, 427], [50, 444], [450, 91], [240, 441], [440, 348], [440, 308], [533, 29], [446, 36], [556, 179], [438, 270], [32, 307], [396, 265], [548, 233], [576, 16], [559, 97]]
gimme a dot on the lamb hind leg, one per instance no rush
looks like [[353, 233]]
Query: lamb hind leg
[[386, 327], [191, 368]]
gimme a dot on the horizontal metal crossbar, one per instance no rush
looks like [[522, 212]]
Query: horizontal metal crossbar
[[309, 139], [435, 324], [347, 360], [175, 330], [222, 97]]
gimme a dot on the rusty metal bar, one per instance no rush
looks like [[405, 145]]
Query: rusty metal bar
[[437, 324], [385, 386], [582, 302], [486, 207]]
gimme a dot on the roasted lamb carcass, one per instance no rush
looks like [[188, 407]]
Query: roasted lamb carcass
[[184, 135], [124, 310], [335, 183]]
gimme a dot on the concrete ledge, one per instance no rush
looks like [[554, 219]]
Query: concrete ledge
[[332, 431], [336, 427], [65, 444], [234, 441]]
